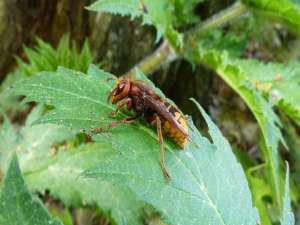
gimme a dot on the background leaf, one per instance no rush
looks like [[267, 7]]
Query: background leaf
[[279, 81], [185, 11], [282, 10], [31, 143], [160, 13], [287, 214], [62, 174], [17, 205]]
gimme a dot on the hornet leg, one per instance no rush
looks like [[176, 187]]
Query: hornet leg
[[162, 150], [115, 123], [126, 101]]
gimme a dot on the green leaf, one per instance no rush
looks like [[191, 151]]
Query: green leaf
[[44, 57], [233, 41], [6, 100], [260, 190], [46, 166], [32, 143], [281, 82], [61, 177], [124, 8], [208, 186], [287, 217], [17, 205], [234, 75], [160, 13], [64, 215], [293, 141], [8, 139], [282, 10], [185, 11]]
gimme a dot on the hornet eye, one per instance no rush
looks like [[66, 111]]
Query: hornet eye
[[121, 86]]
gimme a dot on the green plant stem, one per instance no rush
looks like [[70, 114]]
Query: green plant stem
[[165, 53], [218, 19], [256, 168]]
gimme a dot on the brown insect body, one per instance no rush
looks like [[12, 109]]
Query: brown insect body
[[145, 102], [141, 98]]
